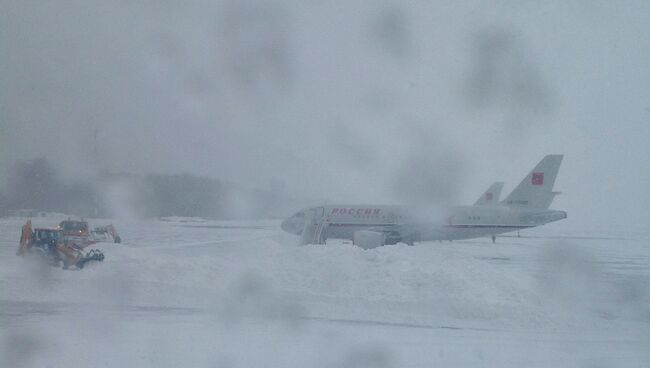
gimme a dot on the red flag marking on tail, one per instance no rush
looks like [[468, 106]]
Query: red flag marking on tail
[[538, 178]]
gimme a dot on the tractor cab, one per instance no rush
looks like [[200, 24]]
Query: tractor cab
[[76, 232], [47, 239], [74, 227], [42, 236]]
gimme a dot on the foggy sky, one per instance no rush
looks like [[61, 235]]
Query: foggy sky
[[366, 102]]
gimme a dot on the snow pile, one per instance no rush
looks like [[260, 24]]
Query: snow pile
[[244, 285]]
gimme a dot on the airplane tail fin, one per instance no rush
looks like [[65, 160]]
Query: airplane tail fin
[[536, 190], [491, 196]]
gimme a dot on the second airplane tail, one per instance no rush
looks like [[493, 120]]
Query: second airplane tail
[[536, 190], [491, 196]]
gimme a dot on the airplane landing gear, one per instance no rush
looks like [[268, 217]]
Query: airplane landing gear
[[494, 239]]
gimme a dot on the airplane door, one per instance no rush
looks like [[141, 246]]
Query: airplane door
[[313, 226], [392, 218]]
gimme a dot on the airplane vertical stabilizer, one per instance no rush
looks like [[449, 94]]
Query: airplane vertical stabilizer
[[491, 196], [536, 190]]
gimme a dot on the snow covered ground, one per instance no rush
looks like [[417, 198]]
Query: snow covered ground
[[197, 293]]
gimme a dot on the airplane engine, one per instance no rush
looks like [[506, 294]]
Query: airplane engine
[[368, 239]]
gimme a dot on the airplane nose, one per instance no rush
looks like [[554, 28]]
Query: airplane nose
[[291, 225], [285, 225], [294, 224]]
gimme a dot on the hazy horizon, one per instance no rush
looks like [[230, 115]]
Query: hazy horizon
[[390, 102]]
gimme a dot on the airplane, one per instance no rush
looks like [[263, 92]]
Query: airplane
[[491, 195], [370, 226]]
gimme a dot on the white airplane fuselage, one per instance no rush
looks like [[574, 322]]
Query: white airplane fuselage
[[410, 224]]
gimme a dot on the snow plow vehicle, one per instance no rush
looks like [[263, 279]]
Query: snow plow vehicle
[[77, 232], [51, 246]]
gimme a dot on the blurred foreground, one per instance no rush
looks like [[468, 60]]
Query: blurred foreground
[[185, 291]]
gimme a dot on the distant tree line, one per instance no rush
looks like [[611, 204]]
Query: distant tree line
[[37, 185]]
